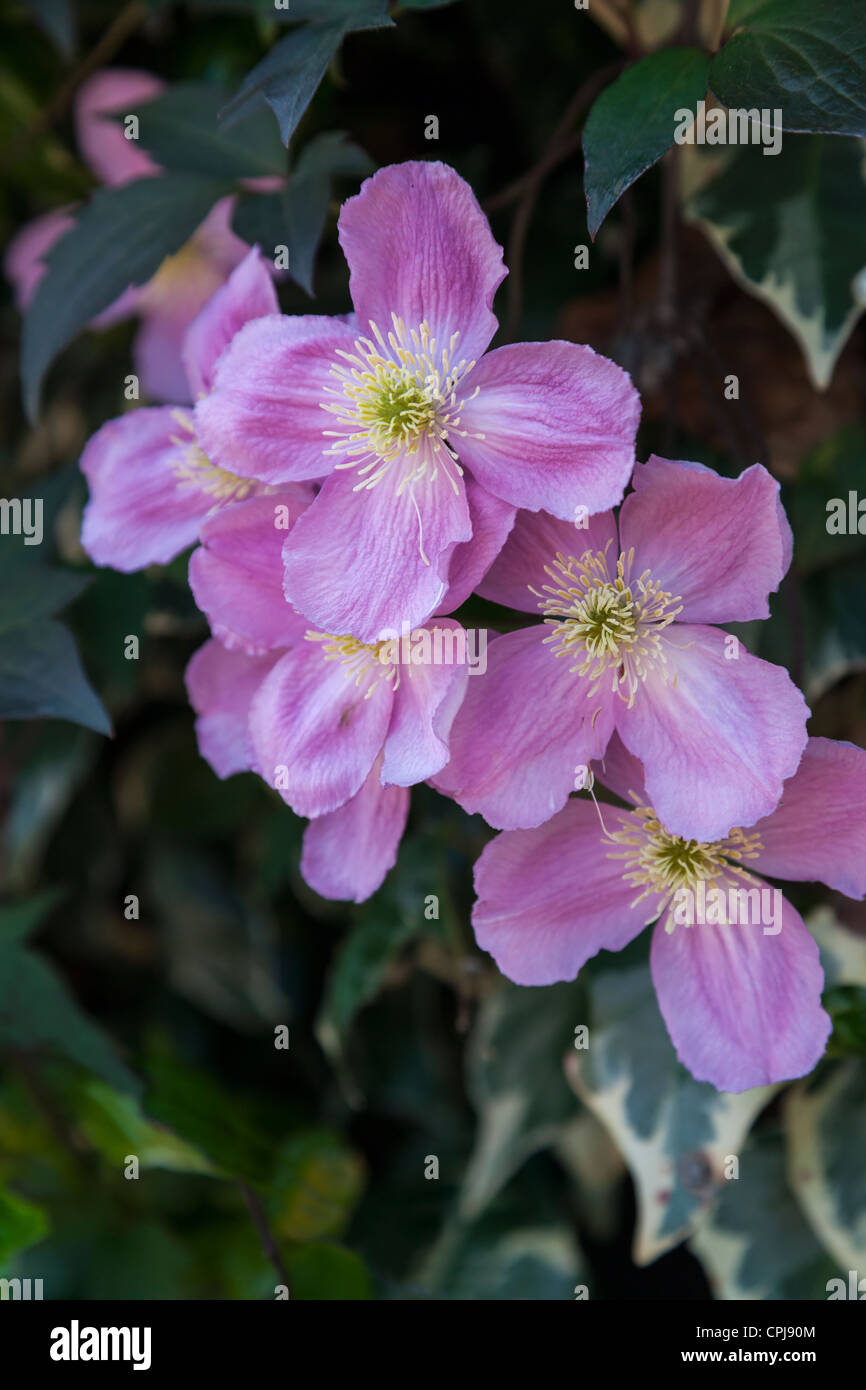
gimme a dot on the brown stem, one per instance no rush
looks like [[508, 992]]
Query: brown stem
[[266, 1235]]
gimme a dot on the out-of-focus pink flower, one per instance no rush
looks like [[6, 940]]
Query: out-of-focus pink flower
[[169, 302], [340, 728], [151, 486], [429, 441], [626, 645], [736, 971]]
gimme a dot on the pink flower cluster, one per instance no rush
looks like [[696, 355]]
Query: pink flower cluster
[[350, 482]]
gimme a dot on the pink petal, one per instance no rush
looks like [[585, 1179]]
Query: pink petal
[[522, 730], [24, 260], [247, 294], [347, 853], [550, 898], [818, 830], [354, 561], [425, 703], [535, 540], [722, 545], [102, 143], [264, 413], [552, 428], [236, 574], [742, 1008], [718, 742], [313, 728], [221, 685], [491, 521], [157, 353], [419, 246], [141, 511]]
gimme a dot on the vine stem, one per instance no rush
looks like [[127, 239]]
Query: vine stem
[[266, 1235]]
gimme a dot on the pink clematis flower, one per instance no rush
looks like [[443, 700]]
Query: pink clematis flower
[[738, 982], [626, 645], [428, 441], [340, 728], [169, 302], [151, 486]]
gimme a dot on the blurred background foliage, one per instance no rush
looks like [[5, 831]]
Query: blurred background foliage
[[159, 1036]]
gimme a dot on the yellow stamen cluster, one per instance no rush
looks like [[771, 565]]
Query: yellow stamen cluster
[[195, 470], [367, 663], [611, 625], [397, 399], [659, 863]]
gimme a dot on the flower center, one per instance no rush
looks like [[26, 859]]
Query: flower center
[[611, 627], [366, 663], [659, 864], [195, 470], [397, 398]]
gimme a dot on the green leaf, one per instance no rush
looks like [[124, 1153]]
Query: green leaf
[[790, 231], [517, 1083], [502, 1257], [44, 593], [327, 1272], [632, 124], [202, 1113], [21, 1224], [57, 18], [805, 59], [288, 77], [295, 217], [315, 1186], [830, 471], [119, 239], [382, 929], [38, 1014], [19, 920], [179, 130], [674, 1132], [114, 1124], [826, 1128], [757, 1244], [41, 678]]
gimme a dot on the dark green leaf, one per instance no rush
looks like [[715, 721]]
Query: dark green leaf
[[327, 1272], [179, 130], [632, 124], [44, 593], [288, 77], [209, 1119], [38, 1014], [21, 1224], [804, 59], [41, 678], [120, 239], [19, 920]]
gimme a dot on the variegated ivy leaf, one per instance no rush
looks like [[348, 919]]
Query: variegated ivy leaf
[[757, 1244], [843, 954], [790, 229], [677, 1135], [826, 1118]]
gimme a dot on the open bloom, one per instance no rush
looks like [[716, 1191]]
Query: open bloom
[[427, 443], [169, 302], [151, 486], [739, 986], [340, 728], [625, 645]]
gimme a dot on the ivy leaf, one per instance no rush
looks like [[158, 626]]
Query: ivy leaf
[[288, 76], [322, 1271], [826, 1126], [789, 229], [757, 1244], [119, 239], [632, 124], [179, 130], [674, 1132], [517, 1084], [807, 60]]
